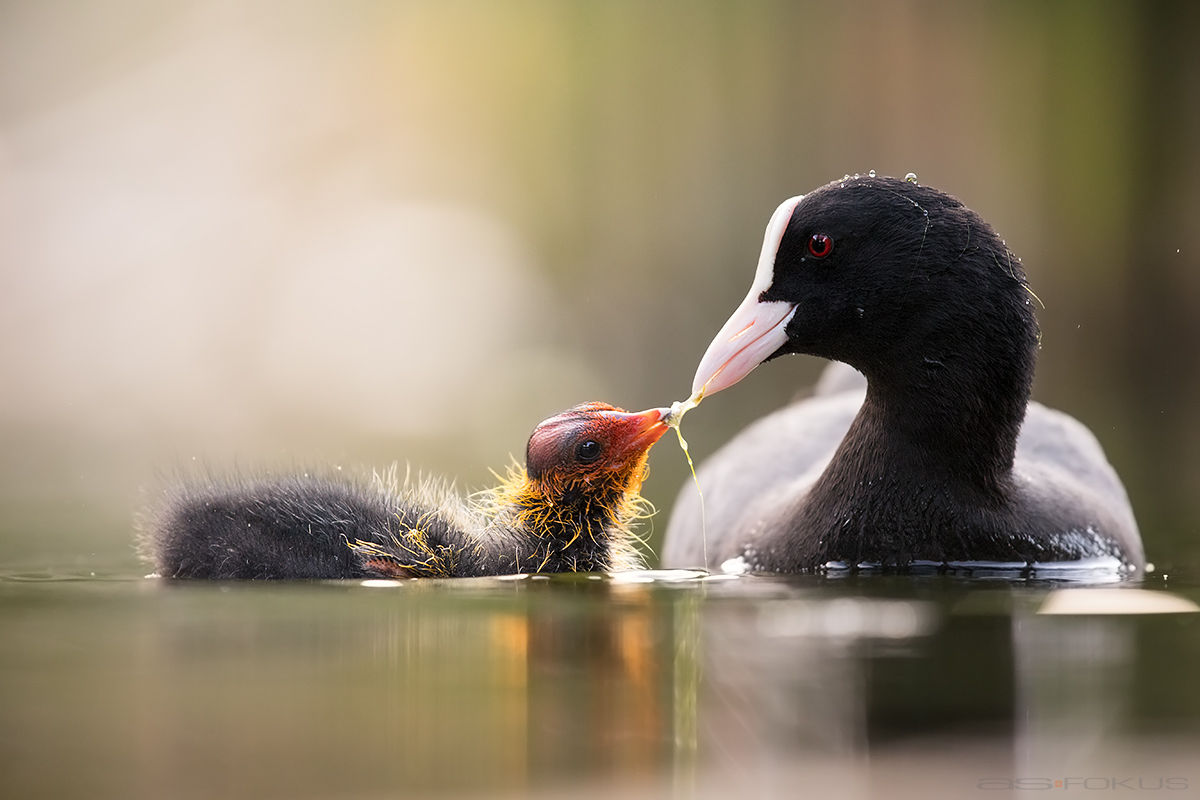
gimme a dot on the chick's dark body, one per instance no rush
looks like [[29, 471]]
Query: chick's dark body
[[566, 512]]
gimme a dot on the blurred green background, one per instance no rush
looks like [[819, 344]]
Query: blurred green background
[[269, 234]]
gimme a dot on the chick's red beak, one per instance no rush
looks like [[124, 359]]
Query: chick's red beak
[[635, 432]]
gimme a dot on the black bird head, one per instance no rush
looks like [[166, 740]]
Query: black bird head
[[883, 274]]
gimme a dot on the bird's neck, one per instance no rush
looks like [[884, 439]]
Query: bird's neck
[[563, 528], [946, 395], [927, 461], [963, 432]]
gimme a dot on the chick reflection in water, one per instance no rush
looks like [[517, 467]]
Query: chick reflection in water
[[572, 508]]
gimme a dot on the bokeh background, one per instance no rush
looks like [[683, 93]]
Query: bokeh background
[[272, 234]]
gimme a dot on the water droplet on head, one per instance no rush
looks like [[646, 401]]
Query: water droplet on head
[[871, 173], [911, 177], [846, 177]]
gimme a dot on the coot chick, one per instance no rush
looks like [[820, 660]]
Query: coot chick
[[941, 459], [572, 508]]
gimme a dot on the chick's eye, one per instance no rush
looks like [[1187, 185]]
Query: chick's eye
[[820, 245], [588, 451]]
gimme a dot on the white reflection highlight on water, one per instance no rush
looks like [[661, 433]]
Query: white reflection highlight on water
[[1101, 569], [656, 576], [1110, 602], [846, 618]]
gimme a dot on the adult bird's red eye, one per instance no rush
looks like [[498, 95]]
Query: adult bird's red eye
[[820, 245]]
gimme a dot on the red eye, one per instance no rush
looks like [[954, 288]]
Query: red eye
[[820, 245]]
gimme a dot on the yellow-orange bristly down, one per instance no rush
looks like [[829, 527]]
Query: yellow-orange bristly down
[[531, 506]]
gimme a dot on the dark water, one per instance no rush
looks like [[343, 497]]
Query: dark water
[[639, 685]]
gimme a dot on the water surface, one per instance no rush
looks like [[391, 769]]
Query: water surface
[[645, 684]]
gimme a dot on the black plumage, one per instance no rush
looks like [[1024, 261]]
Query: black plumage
[[573, 509], [941, 458]]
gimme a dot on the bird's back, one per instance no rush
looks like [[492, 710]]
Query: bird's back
[[286, 527]]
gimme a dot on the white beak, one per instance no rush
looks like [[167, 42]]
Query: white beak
[[757, 328]]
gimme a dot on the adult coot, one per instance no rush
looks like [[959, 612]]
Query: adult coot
[[571, 509], [940, 458]]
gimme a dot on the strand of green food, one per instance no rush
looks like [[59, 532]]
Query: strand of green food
[[674, 420]]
